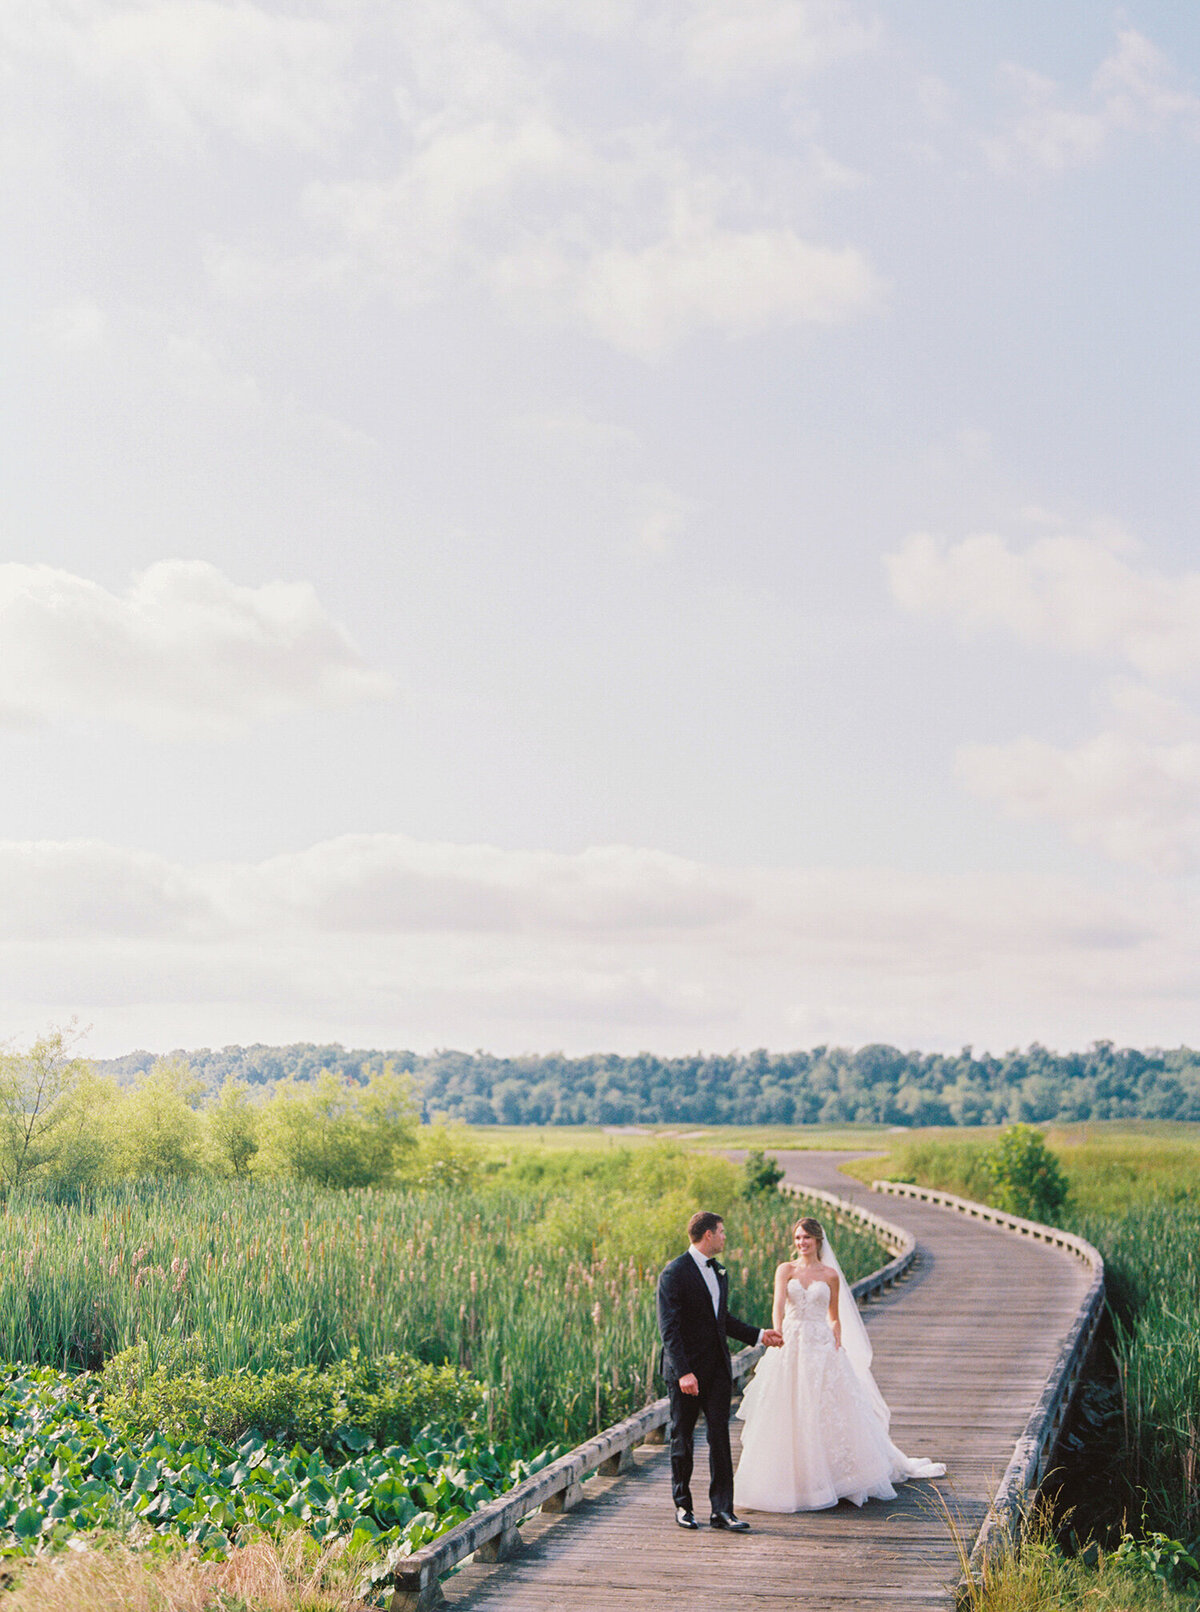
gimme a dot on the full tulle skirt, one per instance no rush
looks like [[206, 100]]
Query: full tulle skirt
[[813, 1433]]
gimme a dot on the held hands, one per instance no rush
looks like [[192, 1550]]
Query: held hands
[[688, 1384], [773, 1339]]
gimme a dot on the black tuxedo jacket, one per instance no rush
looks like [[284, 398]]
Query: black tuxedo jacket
[[694, 1339]]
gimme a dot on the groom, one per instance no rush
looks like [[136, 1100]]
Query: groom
[[694, 1320]]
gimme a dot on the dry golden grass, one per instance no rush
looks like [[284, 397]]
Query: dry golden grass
[[260, 1576]]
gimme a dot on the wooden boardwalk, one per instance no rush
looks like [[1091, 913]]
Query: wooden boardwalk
[[962, 1347]]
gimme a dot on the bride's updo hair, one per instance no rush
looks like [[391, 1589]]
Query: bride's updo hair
[[814, 1228]]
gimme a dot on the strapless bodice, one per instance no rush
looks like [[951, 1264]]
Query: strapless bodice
[[807, 1314], [801, 1294]]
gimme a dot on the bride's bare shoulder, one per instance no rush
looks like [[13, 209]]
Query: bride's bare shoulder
[[786, 1266]]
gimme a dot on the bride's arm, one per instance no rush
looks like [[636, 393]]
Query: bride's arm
[[834, 1285], [782, 1272]]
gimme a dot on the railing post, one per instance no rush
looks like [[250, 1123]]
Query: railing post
[[622, 1461], [501, 1547], [421, 1597], [566, 1499]]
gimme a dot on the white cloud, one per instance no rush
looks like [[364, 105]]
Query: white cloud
[[455, 190], [80, 326], [1073, 593], [629, 241], [698, 276], [1132, 790], [61, 890], [198, 65], [382, 939], [1135, 801], [661, 515], [726, 41], [483, 170], [206, 375], [184, 651], [378, 885], [1133, 91], [613, 462], [465, 158], [386, 882]]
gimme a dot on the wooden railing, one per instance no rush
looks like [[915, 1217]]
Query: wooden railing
[[1031, 1458], [491, 1533]]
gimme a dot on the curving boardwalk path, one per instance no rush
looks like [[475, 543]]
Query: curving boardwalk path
[[962, 1346]]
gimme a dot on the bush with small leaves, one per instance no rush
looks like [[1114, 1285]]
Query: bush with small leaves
[[1026, 1177], [760, 1174]]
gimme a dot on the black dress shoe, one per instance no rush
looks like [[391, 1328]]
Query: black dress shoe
[[727, 1520], [684, 1518]]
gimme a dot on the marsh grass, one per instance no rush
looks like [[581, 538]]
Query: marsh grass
[[1038, 1577], [508, 1141], [543, 1289], [262, 1575]]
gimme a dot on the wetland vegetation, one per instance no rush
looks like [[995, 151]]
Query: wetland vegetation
[[1132, 1481]]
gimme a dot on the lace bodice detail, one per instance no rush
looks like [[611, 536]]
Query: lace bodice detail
[[807, 1313]]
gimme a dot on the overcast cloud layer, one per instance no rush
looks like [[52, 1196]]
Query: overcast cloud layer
[[591, 525]]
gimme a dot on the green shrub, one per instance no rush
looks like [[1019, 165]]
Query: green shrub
[[446, 1158], [336, 1133], [1155, 1556], [160, 1132], [1026, 1177], [760, 1174], [335, 1408]]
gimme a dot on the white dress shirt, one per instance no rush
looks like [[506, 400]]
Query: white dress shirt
[[709, 1275], [710, 1279]]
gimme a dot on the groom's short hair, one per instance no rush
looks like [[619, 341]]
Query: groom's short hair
[[702, 1222]]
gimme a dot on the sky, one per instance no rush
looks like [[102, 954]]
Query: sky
[[595, 525]]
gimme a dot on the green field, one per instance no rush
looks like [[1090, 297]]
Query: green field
[[503, 1140]]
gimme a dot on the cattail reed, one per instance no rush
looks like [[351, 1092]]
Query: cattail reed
[[552, 1305]]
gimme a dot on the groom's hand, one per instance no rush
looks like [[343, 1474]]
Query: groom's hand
[[773, 1339], [688, 1384]]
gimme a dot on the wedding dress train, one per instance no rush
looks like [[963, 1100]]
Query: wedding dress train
[[816, 1430]]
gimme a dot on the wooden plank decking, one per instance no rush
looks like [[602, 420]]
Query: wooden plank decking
[[962, 1346]]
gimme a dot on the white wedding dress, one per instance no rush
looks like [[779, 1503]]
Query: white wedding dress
[[816, 1427]]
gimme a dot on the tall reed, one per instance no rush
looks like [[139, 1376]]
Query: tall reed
[[504, 1283], [1153, 1259]]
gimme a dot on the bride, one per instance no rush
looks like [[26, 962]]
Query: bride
[[816, 1425]]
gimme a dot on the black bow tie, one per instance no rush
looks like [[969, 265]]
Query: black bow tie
[[712, 1265]]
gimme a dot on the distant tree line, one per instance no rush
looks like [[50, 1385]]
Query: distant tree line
[[827, 1085]]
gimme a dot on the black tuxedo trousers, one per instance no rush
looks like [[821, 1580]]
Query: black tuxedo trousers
[[712, 1402]]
